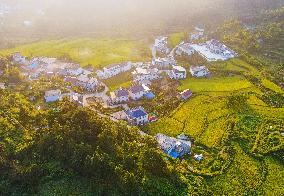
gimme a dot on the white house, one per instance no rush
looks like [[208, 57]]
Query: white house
[[199, 33], [185, 49], [199, 71], [164, 62], [52, 95], [113, 70], [137, 116], [119, 96], [177, 73], [137, 92], [161, 45], [141, 74]]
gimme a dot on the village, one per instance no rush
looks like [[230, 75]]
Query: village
[[128, 103]]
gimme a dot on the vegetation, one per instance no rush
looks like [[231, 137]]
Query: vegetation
[[96, 52]]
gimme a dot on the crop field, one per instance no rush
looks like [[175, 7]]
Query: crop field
[[97, 52], [215, 84]]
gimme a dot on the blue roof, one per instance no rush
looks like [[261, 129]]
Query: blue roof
[[33, 65], [136, 113], [174, 154], [150, 95]]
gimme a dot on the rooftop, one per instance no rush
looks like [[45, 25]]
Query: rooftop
[[136, 113], [52, 93]]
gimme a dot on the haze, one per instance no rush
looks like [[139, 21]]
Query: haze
[[41, 19]]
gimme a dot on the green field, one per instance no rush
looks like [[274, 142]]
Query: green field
[[215, 84], [176, 38], [97, 52], [121, 80]]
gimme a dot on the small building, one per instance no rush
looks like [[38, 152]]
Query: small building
[[199, 71], [183, 137], [173, 147], [177, 73], [17, 58], [198, 157], [186, 94], [164, 62], [141, 74], [137, 92], [52, 96], [161, 45], [119, 96], [113, 70], [137, 116]]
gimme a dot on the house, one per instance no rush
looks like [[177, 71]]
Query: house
[[198, 33], [78, 71], [119, 96], [141, 74], [177, 73], [161, 45], [52, 95], [198, 157], [136, 92], [17, 58], [185, 49], [199, 71], [183, 137], [219, 48], [137, 116], [113, 70], [175, 148], [164, 62], [2, 85], [186, 94]]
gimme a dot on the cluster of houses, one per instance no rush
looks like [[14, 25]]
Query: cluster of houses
[[136, 92], [143, 73], [70, 72]]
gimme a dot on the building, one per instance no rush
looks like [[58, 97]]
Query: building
[[119, 96], [141, 74], [138, 91], [175, 148], [17, 58], [164, 62], [137, 116], [198, 157], [177, 73], [113, 70], [52, 95], [185, 49], [161, 45], [197, 34], [186, 94], [199, 71]]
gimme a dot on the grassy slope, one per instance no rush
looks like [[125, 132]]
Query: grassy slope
[[176, 38], [98, 52]]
